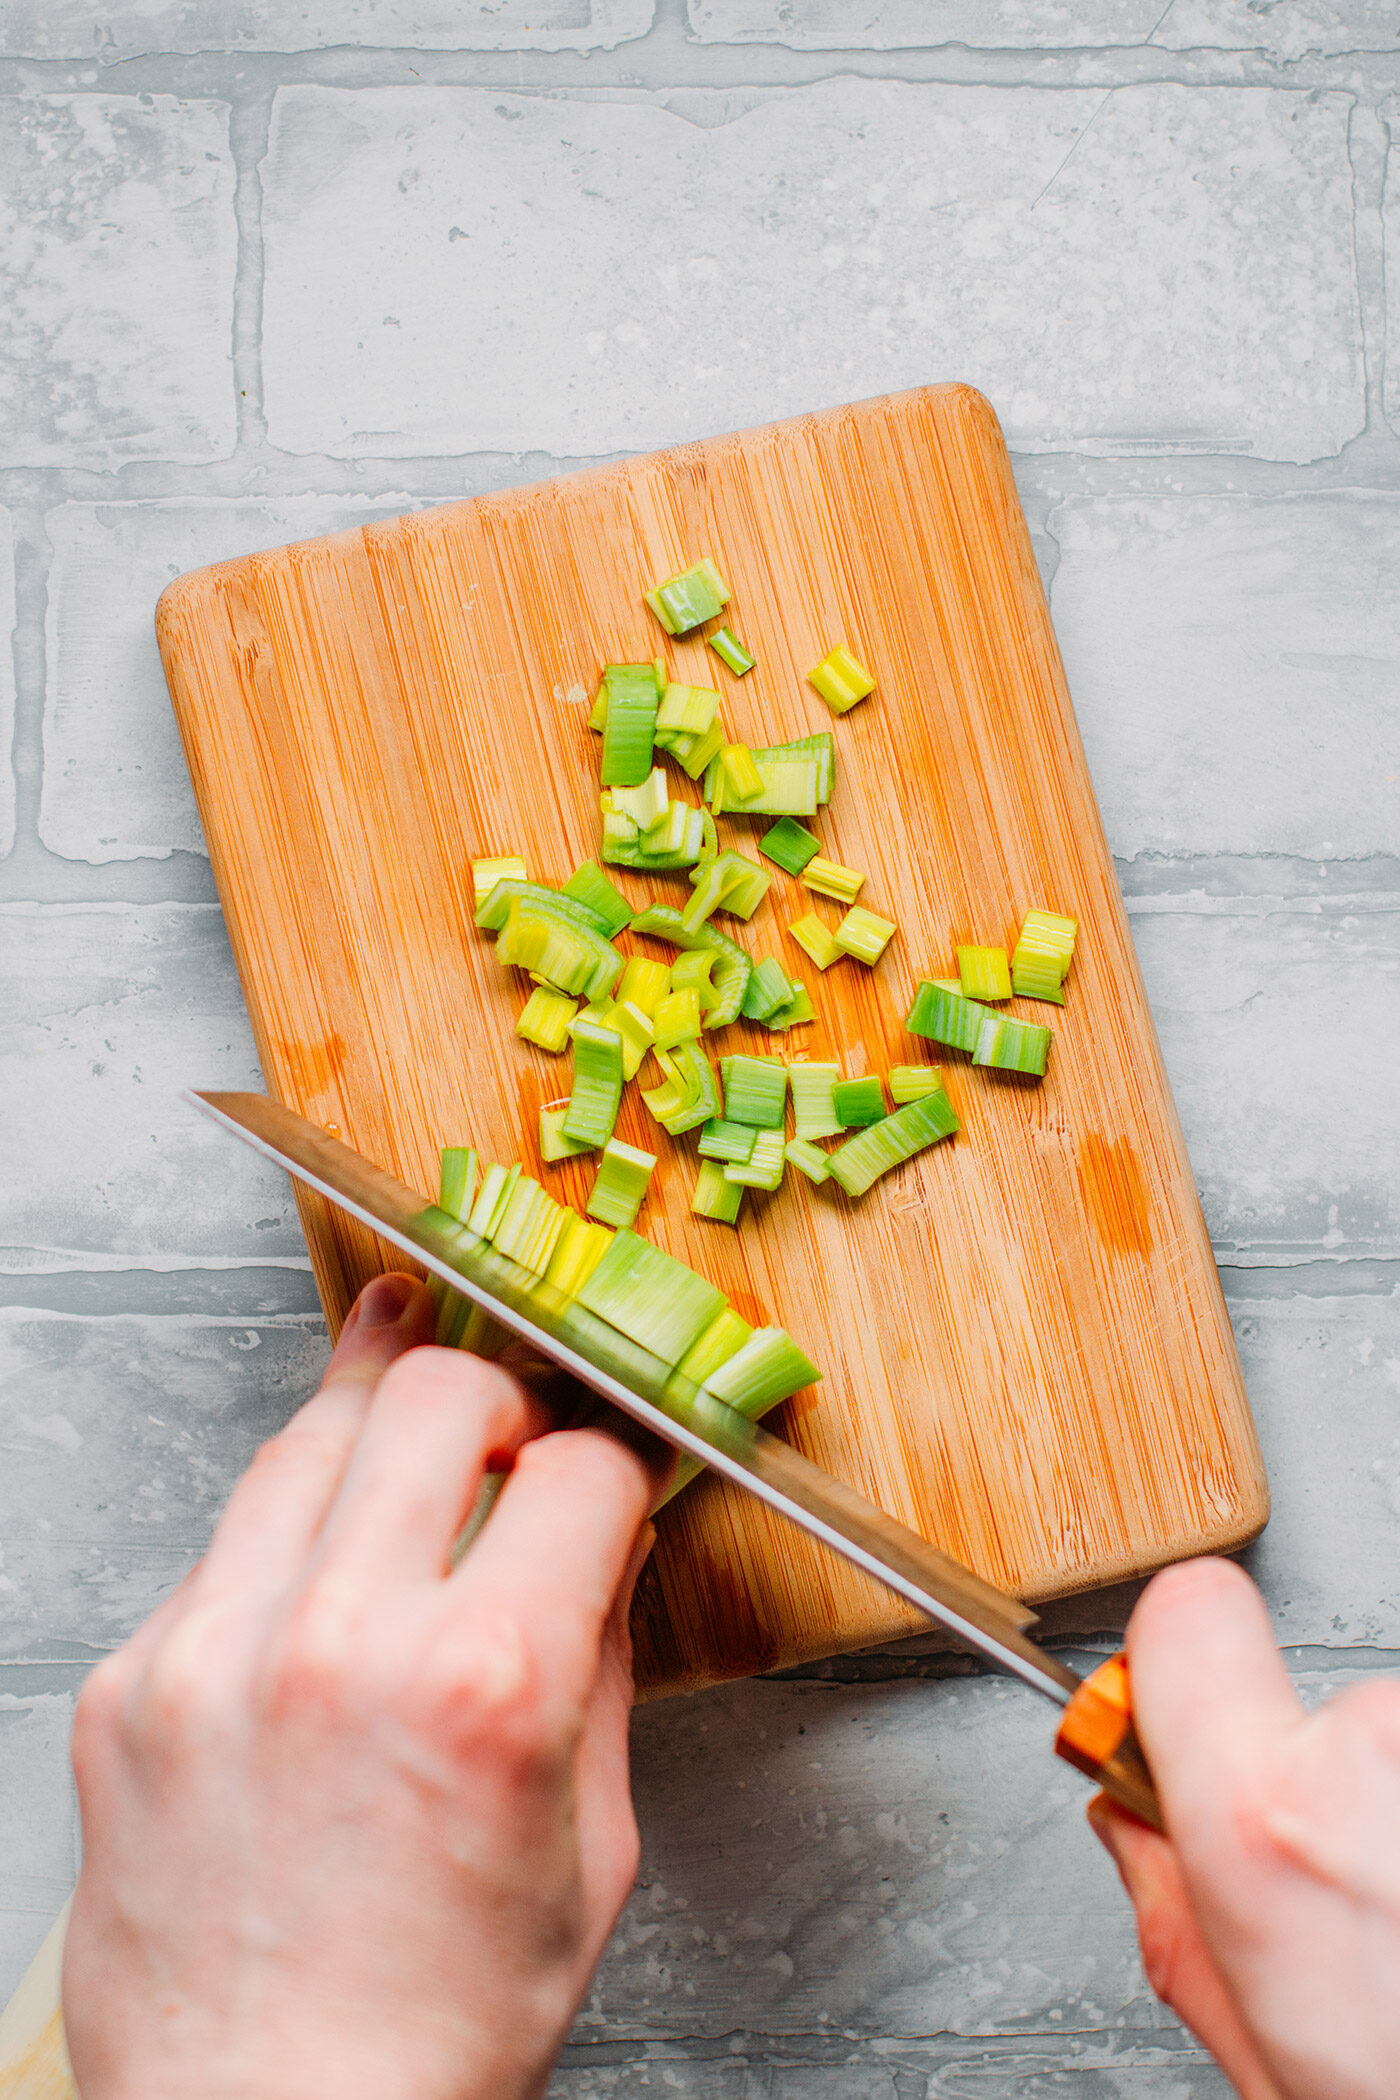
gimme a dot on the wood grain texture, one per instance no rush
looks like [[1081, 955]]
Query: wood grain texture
[[1025, 1350]]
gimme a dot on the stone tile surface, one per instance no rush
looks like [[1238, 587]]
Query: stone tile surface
[[1323, 1376], [1097, 261], [115, 781], [117, 249], [122, 1439], [1302, 29], [761, 2068], [133, 28], [895, 1860], [7, 681], [1257, 1016], [893, 25], [38, 1820], [109, 1011], [1230, 657], [1294, 31]]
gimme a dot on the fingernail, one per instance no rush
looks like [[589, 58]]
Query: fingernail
[[384, 1302], [1104, 1825]]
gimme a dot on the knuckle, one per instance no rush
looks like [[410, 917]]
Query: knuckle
[[319, 1661], [431, 1378], [491, 1708], [182, 1698], [1160, 1940], [99, 1712]]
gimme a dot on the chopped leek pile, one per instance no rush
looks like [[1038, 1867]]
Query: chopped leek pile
[[646, 1010]]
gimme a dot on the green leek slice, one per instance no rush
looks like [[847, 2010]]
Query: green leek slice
[[694, 972], [457, 1181], [686, 710], [821, 748], [864, 935], [984, 973], [529, 1227], [861, 1161], [755, 1090], [946, 1017], [787, 787], [769, 990], [814, 1109], [572, 959], [715, 1196], [731, 882], [832, 880], [493, 913], [593, 1105], [645, 982], [650, 1297], [677, 1020], [646, 804], [816, 940], [858, 1102], [795, 1014], [1012, 1046], [544, 1019], [742, 779], [589, 886], [730, 650], [509, 867], [790, 844], [689, 599], [631, 723], [763, 1169], [1042, 956], [770, 1367], [912, 1082], [840, 680], [732, 964], [724, 1337], [577, 1253], [491, 1199], [554, 1146], [808, 1159], [696, 754], [726, 1141], [623, 1175]]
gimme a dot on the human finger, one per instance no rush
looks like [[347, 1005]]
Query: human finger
[[280, 1504], [553, 1556], [1175, 1957], [608, 1843], [1210, 1692], [439, 1420]]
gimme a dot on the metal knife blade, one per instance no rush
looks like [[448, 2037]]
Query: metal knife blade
[[976, 1613]]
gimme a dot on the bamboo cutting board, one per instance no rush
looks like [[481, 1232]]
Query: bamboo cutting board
[[1025, 1350]]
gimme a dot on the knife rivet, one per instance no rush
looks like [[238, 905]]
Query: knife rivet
[[332, 1130]]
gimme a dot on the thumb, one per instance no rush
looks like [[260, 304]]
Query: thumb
[[392, 1315]]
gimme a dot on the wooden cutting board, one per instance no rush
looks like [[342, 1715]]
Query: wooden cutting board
[[1025, 1350]]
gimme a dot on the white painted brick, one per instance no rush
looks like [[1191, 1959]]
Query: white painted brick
[[1278, 1033], [895, 25], [7, 681], [1229, 658], [109, 1011], [137, 28], [123, 1439], [38, 1821], [1323, 1375], [1301, 28], [117, 250], [1155, 267], [115, 782]]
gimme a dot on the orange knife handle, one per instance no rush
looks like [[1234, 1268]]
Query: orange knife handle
[[1096, 1734]]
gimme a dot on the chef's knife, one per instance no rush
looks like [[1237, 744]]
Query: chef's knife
[[1096, 1726]]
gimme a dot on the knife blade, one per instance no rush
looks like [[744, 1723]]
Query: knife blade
[[977, 1614]]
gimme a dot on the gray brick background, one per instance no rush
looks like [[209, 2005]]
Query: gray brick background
[[269, 270]]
